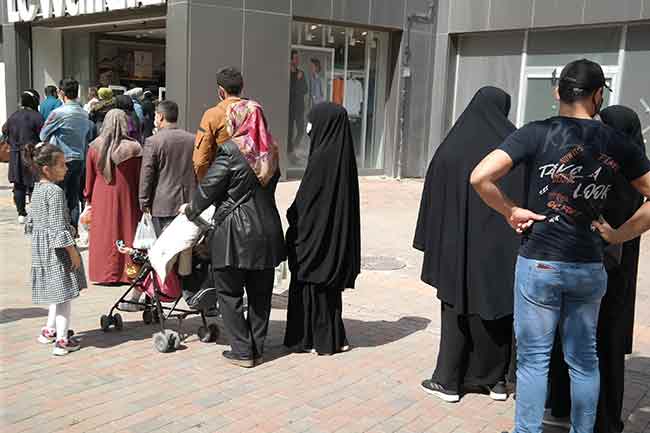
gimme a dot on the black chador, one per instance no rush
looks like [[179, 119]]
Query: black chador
[[323, 239], [469, 249]]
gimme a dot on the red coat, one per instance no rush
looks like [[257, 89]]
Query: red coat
[[115, 216]]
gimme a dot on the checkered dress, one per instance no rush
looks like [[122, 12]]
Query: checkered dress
[[53, 280]]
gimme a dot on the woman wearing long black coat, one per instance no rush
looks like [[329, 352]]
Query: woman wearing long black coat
[[21, 131], [247, 243], [323, 239], [470, 254]]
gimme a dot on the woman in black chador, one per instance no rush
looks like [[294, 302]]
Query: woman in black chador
[[470, 254], [616, 320], [323, 238]]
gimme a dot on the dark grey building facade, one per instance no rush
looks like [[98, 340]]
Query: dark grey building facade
[[295, 53], [348, 51]]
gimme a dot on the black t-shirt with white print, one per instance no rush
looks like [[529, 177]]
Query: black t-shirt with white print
[[572, 164]]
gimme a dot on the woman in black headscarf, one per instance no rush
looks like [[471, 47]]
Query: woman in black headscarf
[[616, 319], [323, 238], [470, 254], [21, 132]]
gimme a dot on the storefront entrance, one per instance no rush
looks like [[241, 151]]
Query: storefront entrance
[[342, 65]]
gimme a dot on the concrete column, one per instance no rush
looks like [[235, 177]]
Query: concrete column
[[47, 46], [16, 47], [203, 37]]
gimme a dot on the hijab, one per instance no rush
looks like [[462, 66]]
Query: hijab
[[247, 125], [124, 102], [469, 249], [105, 94], [624, 201], [324, 235], [30, 99], [113, 145]]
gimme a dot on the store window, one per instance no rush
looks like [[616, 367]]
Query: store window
[[547, 54], [635, 86], [342, 65]]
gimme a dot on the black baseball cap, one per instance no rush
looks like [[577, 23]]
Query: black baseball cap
[[583, 75]]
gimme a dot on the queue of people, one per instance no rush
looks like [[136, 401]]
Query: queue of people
[[530, 236], [557, 184]]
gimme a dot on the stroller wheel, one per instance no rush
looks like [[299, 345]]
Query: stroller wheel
[[214, 331], [147, 317], [161, 342], [209, 334], [105, 322], [174, 339], [117, 321], [204, 334]]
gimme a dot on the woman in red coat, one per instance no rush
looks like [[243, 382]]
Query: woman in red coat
[[112, 179]]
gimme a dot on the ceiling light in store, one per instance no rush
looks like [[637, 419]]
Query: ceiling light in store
[[314, 27], [364, 34]]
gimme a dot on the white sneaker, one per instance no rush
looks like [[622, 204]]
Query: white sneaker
[[21, 219]]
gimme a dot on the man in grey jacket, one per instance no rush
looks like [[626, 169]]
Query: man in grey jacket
[[167, 176]]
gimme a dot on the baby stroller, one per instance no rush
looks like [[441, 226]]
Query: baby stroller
[[154, 310]]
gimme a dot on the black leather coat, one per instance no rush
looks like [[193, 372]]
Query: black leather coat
[[250, 237]]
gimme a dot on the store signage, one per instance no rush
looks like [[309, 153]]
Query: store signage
[[29, 10]]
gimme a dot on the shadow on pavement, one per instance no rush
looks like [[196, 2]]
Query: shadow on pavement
[[8, 315], [380, 332]]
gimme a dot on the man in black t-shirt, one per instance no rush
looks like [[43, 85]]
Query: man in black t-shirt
[[572, 161]]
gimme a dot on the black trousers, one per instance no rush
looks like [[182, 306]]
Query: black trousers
[[161, 223], [296, 127], [247, 334], [473, 352], [71, 185], [20, 198]]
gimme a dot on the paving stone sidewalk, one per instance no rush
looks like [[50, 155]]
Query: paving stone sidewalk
[[117, 383]]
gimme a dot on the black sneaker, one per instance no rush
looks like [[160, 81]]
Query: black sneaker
[[240, 361], [553, 421], [498, 392], [433, 388]]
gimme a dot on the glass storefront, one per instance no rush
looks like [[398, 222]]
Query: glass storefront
[[342, 65]]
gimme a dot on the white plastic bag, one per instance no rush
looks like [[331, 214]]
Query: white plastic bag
[[145, 235]]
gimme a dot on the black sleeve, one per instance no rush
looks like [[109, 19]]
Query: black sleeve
[[521, 145], [634, 162], [213, 188]]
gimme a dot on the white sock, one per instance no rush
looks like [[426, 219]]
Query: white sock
[[62, 320], [51, 317]]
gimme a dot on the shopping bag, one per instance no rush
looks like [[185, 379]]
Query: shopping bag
[[85, 219], [145, 235], [86, 216]]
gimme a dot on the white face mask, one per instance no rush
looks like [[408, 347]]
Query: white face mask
[[309, 127]]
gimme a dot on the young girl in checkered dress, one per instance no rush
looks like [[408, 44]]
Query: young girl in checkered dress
[[57, 270]]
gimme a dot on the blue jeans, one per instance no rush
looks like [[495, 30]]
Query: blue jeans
[[548, 294]]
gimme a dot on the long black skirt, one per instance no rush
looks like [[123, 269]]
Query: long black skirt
[[314, 319], [473, 352]]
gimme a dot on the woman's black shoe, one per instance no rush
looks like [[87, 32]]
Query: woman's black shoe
[[433, 388], [240, 361]]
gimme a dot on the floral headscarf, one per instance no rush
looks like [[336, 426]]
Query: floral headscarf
[[247, 125]]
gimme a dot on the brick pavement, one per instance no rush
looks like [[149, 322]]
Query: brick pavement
[[117, 383]]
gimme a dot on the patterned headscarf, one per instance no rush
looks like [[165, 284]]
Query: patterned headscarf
[[114, 145], [247, 125]]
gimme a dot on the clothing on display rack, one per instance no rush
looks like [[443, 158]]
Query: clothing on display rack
[[354, 96]]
